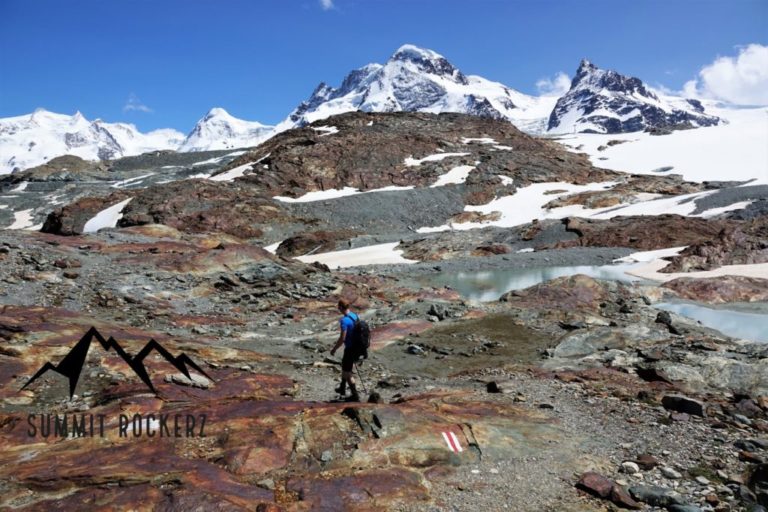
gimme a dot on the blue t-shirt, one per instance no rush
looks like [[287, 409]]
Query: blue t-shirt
[[347, 323]]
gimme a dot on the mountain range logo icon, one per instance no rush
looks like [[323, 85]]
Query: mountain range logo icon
[[72, 365]]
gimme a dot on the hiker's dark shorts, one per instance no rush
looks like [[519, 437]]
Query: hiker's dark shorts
[[351, 355]]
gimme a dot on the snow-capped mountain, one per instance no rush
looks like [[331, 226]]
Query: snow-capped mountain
[[33, 139], [220, 130], [604, 101], [413, 79], [417, 79]]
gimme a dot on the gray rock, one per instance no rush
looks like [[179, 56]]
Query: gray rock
[[630, 468], [684, 508], [267, 483], [656, 496], [196, 381], [437, 310], [671, 473], [702, 480]]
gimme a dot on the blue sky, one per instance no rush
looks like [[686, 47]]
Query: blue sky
[[259, 59]]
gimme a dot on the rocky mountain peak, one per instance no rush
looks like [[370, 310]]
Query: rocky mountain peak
[[605, 101], [425, 61], [585, 66], [413, 79]]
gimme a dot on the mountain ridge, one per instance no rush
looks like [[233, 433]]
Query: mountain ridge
[[413, 79]]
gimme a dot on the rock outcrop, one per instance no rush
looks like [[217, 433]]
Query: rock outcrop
[[741, 244]]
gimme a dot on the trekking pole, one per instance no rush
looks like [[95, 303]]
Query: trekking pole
[[357, 367]]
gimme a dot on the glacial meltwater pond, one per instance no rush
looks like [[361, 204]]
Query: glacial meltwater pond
[[749, 326], [489, 285]]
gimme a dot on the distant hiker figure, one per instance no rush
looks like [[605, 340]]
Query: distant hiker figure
[[352, 334]]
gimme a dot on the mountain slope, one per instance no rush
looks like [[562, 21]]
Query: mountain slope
[[418, 80], [604, 101], [220, 130], [35, 138]]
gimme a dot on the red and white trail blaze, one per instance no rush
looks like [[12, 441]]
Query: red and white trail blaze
[[452, 441]]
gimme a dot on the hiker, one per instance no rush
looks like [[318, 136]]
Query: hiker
[[351, 351]]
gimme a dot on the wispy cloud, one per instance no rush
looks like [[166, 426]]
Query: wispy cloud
[[556, 86], [742, 80], [326, 5], [134, 104]]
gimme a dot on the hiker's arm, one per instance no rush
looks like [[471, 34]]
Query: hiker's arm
[[340, 341]]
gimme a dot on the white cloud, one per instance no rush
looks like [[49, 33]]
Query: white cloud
[[556, 86], [327, 5], [742, 80], [135, 104]]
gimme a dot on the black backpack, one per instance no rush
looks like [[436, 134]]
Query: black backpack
[[361, 336]]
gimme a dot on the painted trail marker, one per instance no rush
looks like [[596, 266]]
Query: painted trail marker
[[452, 441]]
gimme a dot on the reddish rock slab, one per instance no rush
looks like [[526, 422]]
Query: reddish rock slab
[[595, 484], [621, 497], [735, 244], [642, 232], [370, 490], [314, 242], [563, 294], [719, 290]]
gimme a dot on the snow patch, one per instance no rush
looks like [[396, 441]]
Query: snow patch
[[332, 193], [413, 162], [22, 220], [479, 140], [525, 205], [723, 209], [231, 174], [736, 150], [380, 254], [454, 176], [106, 218], [129, 181], [326, 130], [272, 248], [646, 256]]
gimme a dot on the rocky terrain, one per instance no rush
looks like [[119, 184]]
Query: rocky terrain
[[575, 393]]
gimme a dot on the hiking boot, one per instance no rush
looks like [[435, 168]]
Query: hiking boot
[[342, 388], [353, 396]]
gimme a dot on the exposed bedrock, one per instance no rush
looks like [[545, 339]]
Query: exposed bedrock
[[720, 290], [736, 244]]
